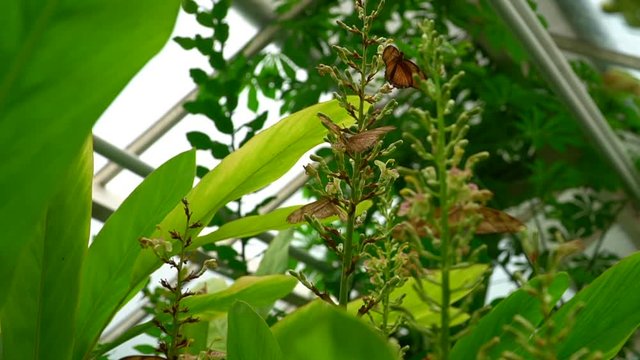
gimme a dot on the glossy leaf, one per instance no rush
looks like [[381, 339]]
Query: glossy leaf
[[249, 336], [263, 159], [319, 331], [255, 290], [109, 263], [38, 318], [62, 65], [610, 315], [492, 324]]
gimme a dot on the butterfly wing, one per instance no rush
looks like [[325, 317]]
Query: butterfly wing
[[399, 71], [366, 140], [321, 209]]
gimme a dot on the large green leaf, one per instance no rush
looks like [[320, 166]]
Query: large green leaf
[[249, 337], [255, 290], [319, 331], [492, 325], [63, 62], [611, 311], [462, 282], [111, 257], [38, 317], [263, 159]]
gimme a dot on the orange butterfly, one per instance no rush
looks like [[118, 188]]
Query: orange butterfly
[[399, 71]]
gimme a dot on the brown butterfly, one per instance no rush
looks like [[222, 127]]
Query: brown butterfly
[[321, 209], [493, 222], [399, 71], [366, 140]]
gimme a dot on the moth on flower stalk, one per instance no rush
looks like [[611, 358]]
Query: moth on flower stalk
[[354, 143]]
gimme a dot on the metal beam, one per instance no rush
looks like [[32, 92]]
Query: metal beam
[[578, 46], [177, 111]]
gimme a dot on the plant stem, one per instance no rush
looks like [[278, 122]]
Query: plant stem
[[441, 159], [356, 191], [347, 257]]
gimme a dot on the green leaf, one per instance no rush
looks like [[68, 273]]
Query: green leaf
[[219, 150], [109, 263], [221, 33], [257, 224], [199, 76], [220, 9], [257, 123], [249, 337], [199, 140], [37, 320], [276, 258], [255, 290], [189, 6], [186, 43], [124, 337], [264, 158], [319, 331], [252, 101], [462, 282], [198, 335], [223, 124], [492, 325], [62, 65], [610, 315]]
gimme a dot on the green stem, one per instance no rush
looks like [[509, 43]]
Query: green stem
[[441, 159], [347, 258], [356, 190], [386, 295]]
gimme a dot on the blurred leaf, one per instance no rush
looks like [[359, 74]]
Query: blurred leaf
[[216, 60], [37, 319], [220, 9], [199, 76], [257, 123], [492, 324], [145, 349], [224, 124], [333, 334], [189, 6], [204, 45], [205, 19], [199, 140], [249, 337], [185, 42], [219, 150], [252, 102], [221, 33], [62, 65]]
